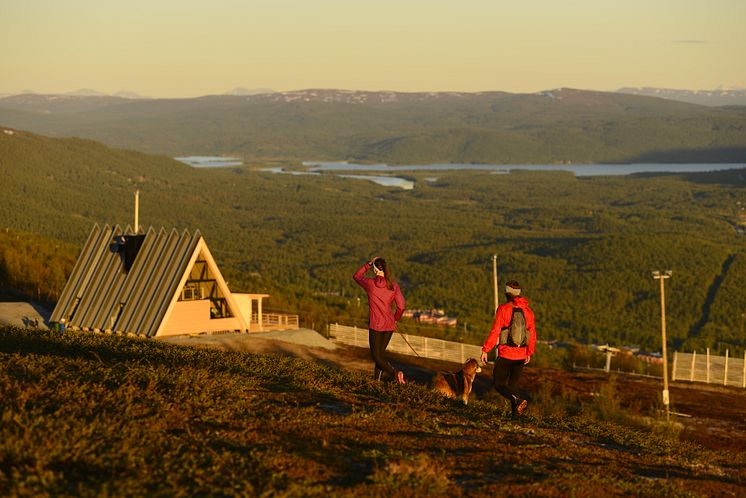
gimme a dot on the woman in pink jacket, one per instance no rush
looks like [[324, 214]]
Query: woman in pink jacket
[[382, 294]]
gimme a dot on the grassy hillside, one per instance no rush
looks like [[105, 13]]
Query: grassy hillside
[[33, 265], [488, 127], [582, 247], [86, 415]]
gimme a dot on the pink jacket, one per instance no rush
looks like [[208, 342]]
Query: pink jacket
[[380, 299], [502, 319]]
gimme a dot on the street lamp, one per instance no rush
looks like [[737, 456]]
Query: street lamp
[[662, 276]]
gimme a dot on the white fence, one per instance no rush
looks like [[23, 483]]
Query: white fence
[[711, 369], [426, 347]]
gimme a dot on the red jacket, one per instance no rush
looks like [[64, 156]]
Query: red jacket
[[502, 319], [380, 299]]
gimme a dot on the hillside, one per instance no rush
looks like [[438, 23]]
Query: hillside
[[489, 127], [700, 97], [582, 247], [88, 415]]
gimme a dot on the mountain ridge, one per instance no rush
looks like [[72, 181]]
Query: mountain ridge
[[717, 97], [555, 126]]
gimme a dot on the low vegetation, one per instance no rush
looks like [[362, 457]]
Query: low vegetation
[[92, 415]]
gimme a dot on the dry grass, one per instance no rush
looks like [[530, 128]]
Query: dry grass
[[89, 415]]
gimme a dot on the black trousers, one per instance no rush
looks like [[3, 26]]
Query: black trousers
[[379, 341], [505, 377]]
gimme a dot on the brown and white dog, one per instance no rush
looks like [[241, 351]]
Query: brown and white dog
[[457, 385]]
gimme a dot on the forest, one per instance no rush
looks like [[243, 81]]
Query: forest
[[582, 247], [398, 128]]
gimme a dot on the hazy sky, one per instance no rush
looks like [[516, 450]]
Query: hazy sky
[[184, 48]]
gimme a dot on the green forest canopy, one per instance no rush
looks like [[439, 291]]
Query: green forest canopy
[[583, 248]]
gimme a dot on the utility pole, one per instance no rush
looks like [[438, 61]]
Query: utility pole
[[494, 279], [662, 276]]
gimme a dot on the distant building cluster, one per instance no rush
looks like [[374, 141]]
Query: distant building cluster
[[431, 317], [635, 351], [646, 356]]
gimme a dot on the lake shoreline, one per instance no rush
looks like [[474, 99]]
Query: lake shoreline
[[360, 171]]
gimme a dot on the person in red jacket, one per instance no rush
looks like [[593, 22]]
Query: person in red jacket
[[382, 294], [510, 358]]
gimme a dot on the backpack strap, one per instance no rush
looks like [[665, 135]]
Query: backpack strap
[[503, 337]]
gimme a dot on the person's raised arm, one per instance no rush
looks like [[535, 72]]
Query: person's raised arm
[[359, 275]]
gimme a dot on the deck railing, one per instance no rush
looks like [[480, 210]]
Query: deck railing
[[276, 321]]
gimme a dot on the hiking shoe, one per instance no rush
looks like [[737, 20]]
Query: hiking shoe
[[521, 407], [400, 377]]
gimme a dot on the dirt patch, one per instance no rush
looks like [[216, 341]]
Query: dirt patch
[[24, 315], [341, 356], [712, 416]]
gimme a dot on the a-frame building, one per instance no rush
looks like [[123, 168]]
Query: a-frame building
[[154, 284]]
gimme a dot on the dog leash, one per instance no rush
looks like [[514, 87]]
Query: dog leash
[[404, 336]]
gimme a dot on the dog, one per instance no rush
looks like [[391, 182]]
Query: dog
[[457, 385]]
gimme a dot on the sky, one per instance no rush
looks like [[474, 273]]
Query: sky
[[188, 48]]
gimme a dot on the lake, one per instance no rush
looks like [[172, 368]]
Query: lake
[[210, 161], [386, 181], [577, 169], [317, 167]]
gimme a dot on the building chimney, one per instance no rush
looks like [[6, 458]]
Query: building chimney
[[137, 211]]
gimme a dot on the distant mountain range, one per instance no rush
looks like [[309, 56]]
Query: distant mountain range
[[718, 97], [83, 92], [557, 126], [248, 91], [701, 97], [88, 92]]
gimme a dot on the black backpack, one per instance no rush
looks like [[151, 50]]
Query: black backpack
[[515, 334]]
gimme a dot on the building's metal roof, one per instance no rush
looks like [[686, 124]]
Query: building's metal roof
[[105, 294]]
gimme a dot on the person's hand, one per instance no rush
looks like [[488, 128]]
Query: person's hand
[[484, 358], [528, 358]]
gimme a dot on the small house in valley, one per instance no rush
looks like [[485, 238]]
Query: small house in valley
[[159, 283]]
